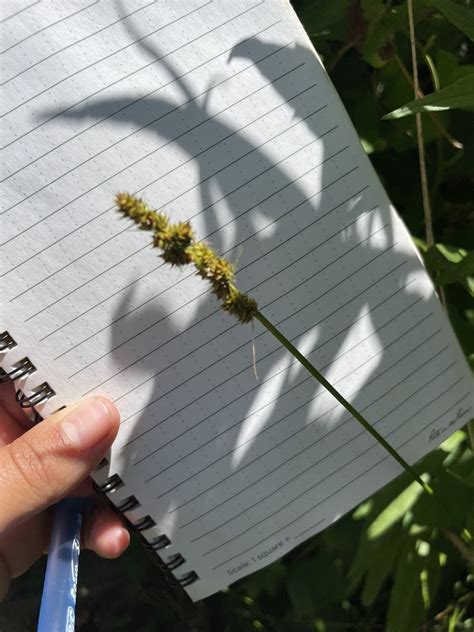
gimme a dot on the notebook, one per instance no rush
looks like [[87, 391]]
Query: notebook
[[219, 113]]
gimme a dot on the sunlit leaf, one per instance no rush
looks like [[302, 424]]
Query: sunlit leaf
[[458, 95], [394, 511], [381, 566], [447, 264], [406, 609]]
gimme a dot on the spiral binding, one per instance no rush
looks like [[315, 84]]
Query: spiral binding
[[6, 341], [157, 543], [42, 393], [22, 368]]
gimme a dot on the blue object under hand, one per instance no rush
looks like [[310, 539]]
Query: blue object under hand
[[58, 602]]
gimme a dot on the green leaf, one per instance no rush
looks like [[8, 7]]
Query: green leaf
[[469, 284], [383, 557], [320, 15], [449, 69], [315, 586], [458, 95], [462, 17], [383, 23], [266, 580], [453, 443], [416, 581], [395, 511], [405, 611], [449, 505], [447, 264]]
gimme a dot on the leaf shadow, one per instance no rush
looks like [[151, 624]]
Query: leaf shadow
[[220, 450]]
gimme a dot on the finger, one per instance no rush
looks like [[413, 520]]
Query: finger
[[105, 533], [22, 546], [48, 461], [10, 428], [11, 408]]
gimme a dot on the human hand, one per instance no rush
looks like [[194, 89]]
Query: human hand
[[39, 465]]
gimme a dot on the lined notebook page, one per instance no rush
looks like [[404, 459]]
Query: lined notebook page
[[220, 113]]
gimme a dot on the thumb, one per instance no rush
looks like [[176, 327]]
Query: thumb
[[48, 461]]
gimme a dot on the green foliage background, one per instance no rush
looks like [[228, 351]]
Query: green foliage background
[[398, 562]]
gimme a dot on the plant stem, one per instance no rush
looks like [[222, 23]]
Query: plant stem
[[456, 541], [335, 393], [470, 433], [179, 248], [339, 55], [456, 144], [419, 133], [421, 146]]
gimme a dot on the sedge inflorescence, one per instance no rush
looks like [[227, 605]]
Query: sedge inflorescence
[[179, 247]]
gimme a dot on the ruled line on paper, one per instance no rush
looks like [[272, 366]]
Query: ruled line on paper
[[161, 87], [337, 428], [234, 424], [288, 317], [112, 208], [127, 228], [387, 457], [206, 120], [163, 175], [263, 540], [191, 218], [439, 417], [45, 28], [9, 17], [321, 460], [311, 509], [147, 379], [170, 441], [205, 237], [311, 399], [121, 79], [201, 320], [150, 153], [403, 444], [374, 401], [244, 394], [224, 253], [135, 131], [95, 63], [272, 166], [80, 41], [410, 439], [267, 305], [299, 383], [191, 274]]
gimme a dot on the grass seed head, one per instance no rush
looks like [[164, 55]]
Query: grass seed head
[[178, 247]]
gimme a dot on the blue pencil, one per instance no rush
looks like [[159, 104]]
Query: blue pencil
[[58, 601]]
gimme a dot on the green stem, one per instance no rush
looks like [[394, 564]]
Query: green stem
[[470, 433], [322, 380]]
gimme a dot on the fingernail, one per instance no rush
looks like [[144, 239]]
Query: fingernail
[[88, 424]]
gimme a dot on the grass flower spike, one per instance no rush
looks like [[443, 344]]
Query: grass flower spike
[[179, 247]]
